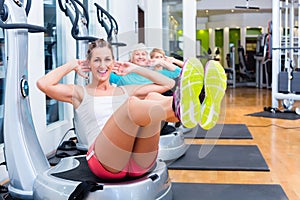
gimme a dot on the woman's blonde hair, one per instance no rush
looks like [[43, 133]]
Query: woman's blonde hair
[[98, 43], [137, 47], [157, 50]]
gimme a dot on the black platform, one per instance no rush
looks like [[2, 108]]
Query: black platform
[[209, 191], [221, 131], [277, 115], [221, 157]]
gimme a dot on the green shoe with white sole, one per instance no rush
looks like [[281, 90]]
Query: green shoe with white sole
[[186, 96], [215, 82]]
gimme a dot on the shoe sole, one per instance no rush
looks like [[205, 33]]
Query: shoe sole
[[215, 83], [191, 83]]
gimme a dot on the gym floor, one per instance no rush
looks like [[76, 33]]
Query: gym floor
[[277, 139]]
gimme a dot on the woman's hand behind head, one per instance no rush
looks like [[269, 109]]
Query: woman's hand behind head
[[82, 67], [123, 68]]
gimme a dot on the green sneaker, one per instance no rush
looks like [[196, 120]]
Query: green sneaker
[[186, 96], [214, 85]]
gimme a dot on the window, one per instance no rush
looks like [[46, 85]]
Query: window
[[54, 109], [172, 25], [2, 82]]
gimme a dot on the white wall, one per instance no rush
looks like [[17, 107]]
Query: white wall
[[153, 23], [125, 13], [239, 20], [128, 22], [189, 28]]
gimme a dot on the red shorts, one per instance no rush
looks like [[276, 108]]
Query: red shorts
[[132, 169]]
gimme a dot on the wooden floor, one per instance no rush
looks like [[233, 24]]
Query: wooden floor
[[279, 146]]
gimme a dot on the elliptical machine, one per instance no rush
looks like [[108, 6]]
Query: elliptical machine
[[29, 171]]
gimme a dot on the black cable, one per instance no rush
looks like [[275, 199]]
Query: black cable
[[62, 139]]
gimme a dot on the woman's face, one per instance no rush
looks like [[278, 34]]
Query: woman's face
[[157, 55], [140, 57], [101, 63]]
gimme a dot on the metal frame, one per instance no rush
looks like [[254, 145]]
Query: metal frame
[[284, 9]]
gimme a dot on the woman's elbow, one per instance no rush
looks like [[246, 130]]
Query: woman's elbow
[[171, 84], [41, 85]]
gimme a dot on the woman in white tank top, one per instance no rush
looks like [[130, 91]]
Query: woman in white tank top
[[123, 124]]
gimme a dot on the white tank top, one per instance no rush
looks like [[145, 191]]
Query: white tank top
[[93, 113]]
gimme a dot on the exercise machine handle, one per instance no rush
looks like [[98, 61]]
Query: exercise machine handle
[[85, 13], [31, 28], [102, 22], [28, 6], [74, 27], [74, 30], [3, 17]]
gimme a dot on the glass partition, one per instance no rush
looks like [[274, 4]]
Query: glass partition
[[54, 109], [172, 27], [2, 82]]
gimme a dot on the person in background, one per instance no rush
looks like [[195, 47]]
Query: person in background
[[140, 56], [158, 53]]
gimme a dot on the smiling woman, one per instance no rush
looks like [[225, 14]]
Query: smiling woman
[[120, 122]]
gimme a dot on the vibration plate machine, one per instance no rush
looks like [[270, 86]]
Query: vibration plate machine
[[29, 171]]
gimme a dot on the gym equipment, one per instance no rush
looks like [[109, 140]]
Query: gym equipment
[[222, 131], [111, 26], [230, 71], [221, 157], [172, 146], [297, 111], [79, 31], [245, 72], [30, 175], [285, 52], [213, 191], [263, 60]]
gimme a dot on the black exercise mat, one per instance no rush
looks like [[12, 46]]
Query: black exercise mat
[[221, 131], [221, 157], [210, 191], [278, 115]]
